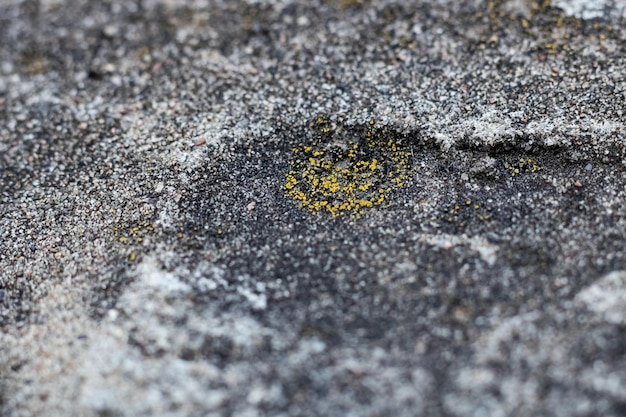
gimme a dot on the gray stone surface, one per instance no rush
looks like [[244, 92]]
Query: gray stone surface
[[151, 263]]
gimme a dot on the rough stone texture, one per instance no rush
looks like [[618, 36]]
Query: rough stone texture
[[151, 264]]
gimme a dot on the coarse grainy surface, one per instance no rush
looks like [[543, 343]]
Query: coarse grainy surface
[[195, 222]]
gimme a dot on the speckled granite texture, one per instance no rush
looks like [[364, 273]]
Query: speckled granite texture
[[152, 262]]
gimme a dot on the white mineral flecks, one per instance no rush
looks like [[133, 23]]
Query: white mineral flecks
[[591, 9], [607, 297]]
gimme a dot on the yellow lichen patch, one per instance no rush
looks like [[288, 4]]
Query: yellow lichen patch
[[133, 236], [466, 212], [523, 166], [136, 233], [337, 175]]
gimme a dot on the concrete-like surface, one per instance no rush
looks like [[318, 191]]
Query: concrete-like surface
[[153, 262]]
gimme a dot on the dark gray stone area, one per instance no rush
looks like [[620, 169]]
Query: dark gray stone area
[[151, 262]]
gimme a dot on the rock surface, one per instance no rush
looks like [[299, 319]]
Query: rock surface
[[152, 263]]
